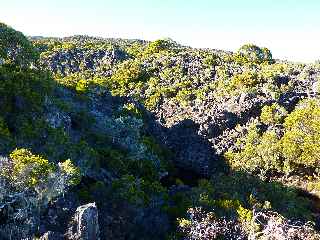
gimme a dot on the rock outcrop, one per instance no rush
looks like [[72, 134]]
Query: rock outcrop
[[85, 224]]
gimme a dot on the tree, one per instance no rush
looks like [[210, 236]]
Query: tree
[[301, 140], [253, 53], [15, 47], [273, 114]]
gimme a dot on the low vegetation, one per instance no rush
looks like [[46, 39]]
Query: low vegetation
[[128, 123]]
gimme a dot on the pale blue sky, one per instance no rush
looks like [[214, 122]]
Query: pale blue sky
[[290, 28]]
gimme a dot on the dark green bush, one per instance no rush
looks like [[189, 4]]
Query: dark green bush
[[254, 54], [15, 48]]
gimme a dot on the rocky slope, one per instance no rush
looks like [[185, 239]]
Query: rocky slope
[[129, 139]]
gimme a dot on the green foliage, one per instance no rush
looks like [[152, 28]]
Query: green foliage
[[4, 131], [132, 109], [135, 50], [254, 54], [247, 191], [244, 215], [120, 161], [259, 153], [273, 114], [29, 169], [158, 46], [301, 140], [136, 191], [243, 82], [71, 172], [29, 85], [152, 101], [184, 96], [211, 60], [80, 83], [180, 202], [297, 150], [162, 152], [15, 47], [128, 77], [82, 86]]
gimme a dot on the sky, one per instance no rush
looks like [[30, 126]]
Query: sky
[[289, 28]]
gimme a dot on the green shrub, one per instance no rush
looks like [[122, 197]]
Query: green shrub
[[158, 46], [258, 153], [29, 85], [4, 131], [71, 172], [15, 47], [273, 114], [128, 77], [254, 54], [131, 109], [29, 169], [137, 191], [297, 150], [184, 97], [211, 60], [243, 82], [82, 86], [153, 100], [301, 140]]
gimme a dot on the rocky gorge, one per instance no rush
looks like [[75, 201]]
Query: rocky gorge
[[130, 139]]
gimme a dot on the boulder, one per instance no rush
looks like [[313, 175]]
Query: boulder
[[85, 224]]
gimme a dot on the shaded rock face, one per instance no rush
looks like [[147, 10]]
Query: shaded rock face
[[85, 224], [191, 150], [59, 119]]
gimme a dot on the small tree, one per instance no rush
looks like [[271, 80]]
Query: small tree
[[158, 46], [255, 54], [273, 114], [29, 169], [301, 140], [15, 47]]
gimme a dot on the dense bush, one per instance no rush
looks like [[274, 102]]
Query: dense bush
[[157, 46], [23, 89], [137, 191], [273, 114], [296, 150], [254, 54], [243, 82], [128, 77], [15, 47], [29, 169], [258, 152], [28, 183], [301, 140]]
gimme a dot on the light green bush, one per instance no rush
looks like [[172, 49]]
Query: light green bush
[[297, 150], [273, 114], [301, 140], [259, 152], [158, 46], [29, 169], [71, 172], [254, 54]]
